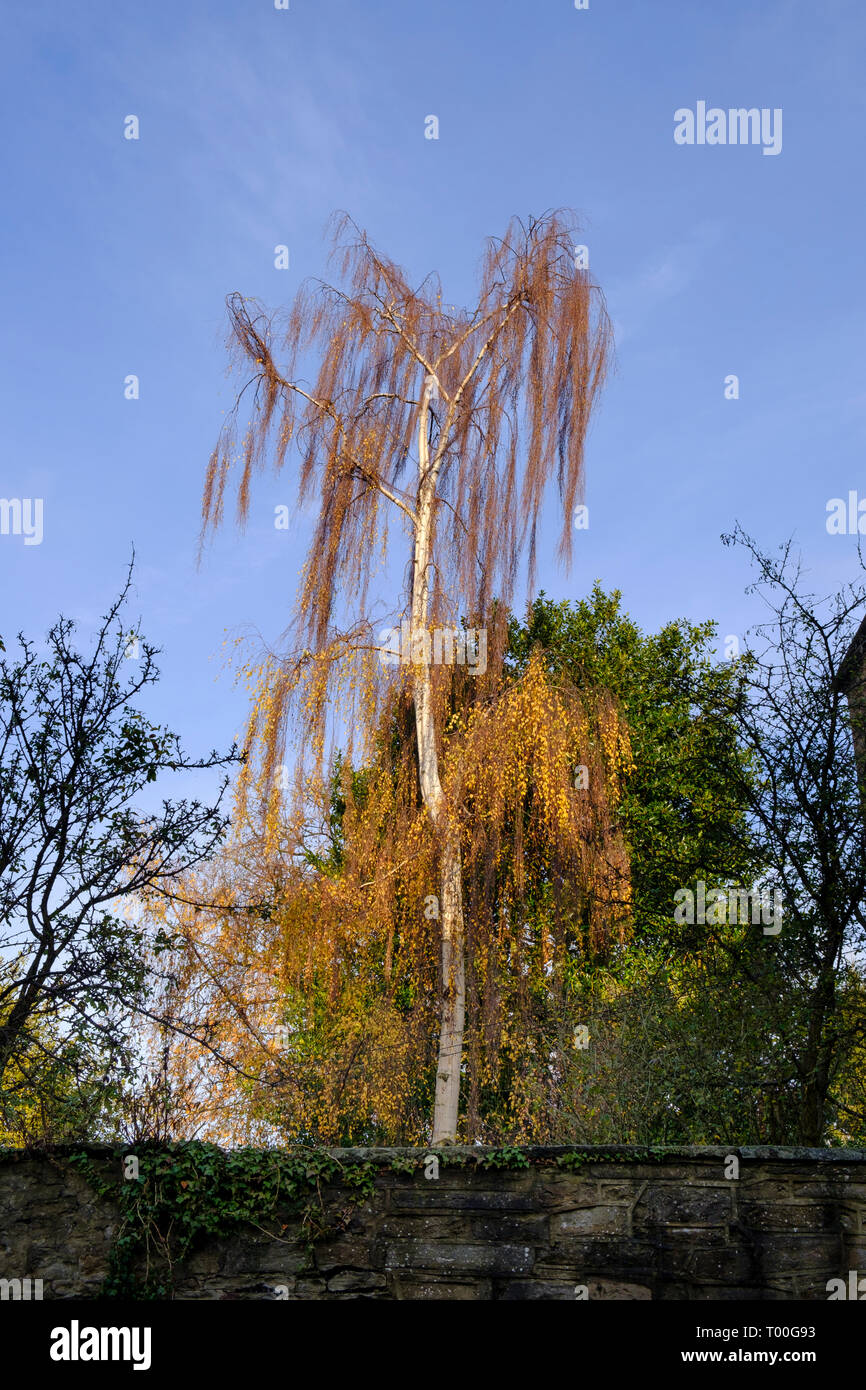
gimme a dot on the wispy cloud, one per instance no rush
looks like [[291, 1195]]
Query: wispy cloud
[[634, 300]]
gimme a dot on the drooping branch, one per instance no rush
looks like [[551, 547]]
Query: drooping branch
[[517, 375]]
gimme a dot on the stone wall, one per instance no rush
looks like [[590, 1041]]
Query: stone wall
[[619, 1225]]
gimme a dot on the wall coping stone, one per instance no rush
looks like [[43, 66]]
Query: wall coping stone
[[626, 1153]]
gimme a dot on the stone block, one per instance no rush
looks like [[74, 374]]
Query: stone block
[[475, 1291], [415, 1225], [798, 1254], [854, 1191], [459, 1259], [707, 1264], [350, 1253], [665, 1204], [206, 1260], [618, 1193], [788, 1216], [308, 1289], [577, 1258], [432, 1198], [753, 1187], [608, 1289], [688, 1237], [265, 1258], [507, 1228], [595, 1221], [721, 1293], [534, 1290], [356, 1281], [555, 1190], [62, 1271]]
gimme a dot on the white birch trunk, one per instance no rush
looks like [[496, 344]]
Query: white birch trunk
[[451, 887]]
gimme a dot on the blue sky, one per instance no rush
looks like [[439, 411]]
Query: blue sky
[[256, 124]]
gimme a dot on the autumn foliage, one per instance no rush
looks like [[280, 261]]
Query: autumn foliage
[[325, 992], [470, 856]]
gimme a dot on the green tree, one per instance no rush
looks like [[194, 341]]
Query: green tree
[[682, 810]]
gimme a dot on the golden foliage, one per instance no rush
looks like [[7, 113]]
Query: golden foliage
[[345, 959]]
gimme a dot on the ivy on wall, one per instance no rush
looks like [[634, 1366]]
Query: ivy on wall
[[172, 1198]]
